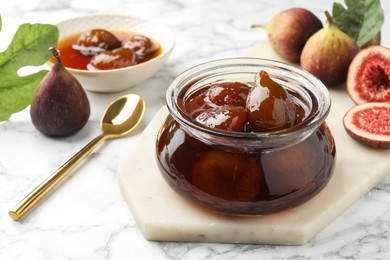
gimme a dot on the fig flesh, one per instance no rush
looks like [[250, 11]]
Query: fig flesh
[[60, 106], [328, 53], [369, 123], [289, 30], [369, 75]]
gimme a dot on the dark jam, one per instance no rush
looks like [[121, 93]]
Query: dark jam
[[237, 181], [73, 57]]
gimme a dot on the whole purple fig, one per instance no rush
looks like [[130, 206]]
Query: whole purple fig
[[289, 30], [60, 106]]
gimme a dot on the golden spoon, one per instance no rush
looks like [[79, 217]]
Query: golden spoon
[[119, 119]]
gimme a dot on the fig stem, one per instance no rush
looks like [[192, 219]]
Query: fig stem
[[328, 17], [55, 53], [264, 26]]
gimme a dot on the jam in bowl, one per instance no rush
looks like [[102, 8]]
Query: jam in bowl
[[246, 136]]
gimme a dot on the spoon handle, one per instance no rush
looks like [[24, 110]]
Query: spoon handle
[[50, 182]]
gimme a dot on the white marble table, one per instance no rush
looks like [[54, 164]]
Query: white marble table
[[87, 217]]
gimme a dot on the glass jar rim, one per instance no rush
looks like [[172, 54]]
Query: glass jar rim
[[312, 85]]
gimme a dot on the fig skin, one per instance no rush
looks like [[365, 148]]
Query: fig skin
[[369, 75], [374, 41], [289, 30], [369, 124], [60, 106], [328, 53]]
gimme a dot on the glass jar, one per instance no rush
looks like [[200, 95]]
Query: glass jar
[[246, 173]]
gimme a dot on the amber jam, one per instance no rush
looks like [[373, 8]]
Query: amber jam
[[73, 58], [212, 150]]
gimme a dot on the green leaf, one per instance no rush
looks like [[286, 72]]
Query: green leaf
[[361, 20], [29, 46], [0, 23]]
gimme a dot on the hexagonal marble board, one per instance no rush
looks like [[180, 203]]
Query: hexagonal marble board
[[163, 215]]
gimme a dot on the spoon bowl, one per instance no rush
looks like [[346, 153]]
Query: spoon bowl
[[120, 118]]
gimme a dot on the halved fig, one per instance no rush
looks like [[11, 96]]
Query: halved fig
[[369, 123], [369, 75]]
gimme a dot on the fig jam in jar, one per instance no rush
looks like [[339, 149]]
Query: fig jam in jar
[[236, 170]]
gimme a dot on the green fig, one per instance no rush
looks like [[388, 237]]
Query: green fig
[[289, 30], [60, 106], [328, 53]]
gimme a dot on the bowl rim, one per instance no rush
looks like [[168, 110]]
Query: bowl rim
[[165, 51]]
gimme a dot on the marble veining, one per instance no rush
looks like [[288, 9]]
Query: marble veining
[[87, 216]]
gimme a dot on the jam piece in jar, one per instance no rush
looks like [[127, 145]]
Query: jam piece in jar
[[227, 176], [96, 41], [221, 105], [228, 93], [118, 58], [226, 117], [195, 104], [269, 105]]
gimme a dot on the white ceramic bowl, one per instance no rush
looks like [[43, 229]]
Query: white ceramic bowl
[[123, 78]]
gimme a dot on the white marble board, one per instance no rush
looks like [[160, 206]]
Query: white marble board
[[163, 215]]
